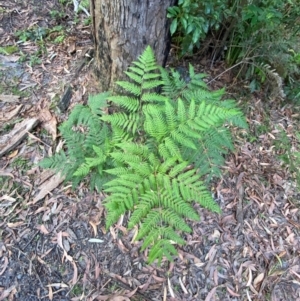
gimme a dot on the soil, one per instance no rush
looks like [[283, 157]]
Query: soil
[[57, 247]]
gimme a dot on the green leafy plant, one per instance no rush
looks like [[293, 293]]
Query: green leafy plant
[[7, 50], [150, 151], [192, 19], [266, 40], [87, 138], [57, 15], [87, 21], [35, 59], [33, 34], [259, 39]]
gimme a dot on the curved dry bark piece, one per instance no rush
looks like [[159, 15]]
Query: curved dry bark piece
[[6, 116], [9, 98], [9, 141], [48, 186]]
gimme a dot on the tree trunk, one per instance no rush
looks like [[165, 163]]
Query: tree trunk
[[122, 29]]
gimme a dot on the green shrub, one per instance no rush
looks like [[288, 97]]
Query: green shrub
[[151, 153], [259, 38], [192, 19], [264, 40]]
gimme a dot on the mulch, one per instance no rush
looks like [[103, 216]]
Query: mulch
[[57, 247]]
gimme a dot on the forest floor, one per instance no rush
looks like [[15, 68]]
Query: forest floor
[[53, 242]]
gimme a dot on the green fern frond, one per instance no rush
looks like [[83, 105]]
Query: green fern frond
[[98, 103], [118, 134], [143, 169], [73, 117], [170, 117], [126, 158], [168, 148], [56, 162], [178, 85], [220, 138], [138, 71], [151, 76], [135, 76], [177, 169], [146, 202], [155, 124], [181, 138], [154, 161], [172, 128], [238, 121], [160, 233], [130, 87], [114, 211], [162, 248], [129, 103], [97, 180], [147, 58], [206, 201], [152, 219], [162, 239], [83, 132], [90, 163], [135, 148], [153, 97], [171, 218], [82, 170], [167, 164], [98, 134], [148, 85], [127, 122], [139, 65]]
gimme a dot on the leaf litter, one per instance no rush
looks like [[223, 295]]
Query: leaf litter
[[54, 245]]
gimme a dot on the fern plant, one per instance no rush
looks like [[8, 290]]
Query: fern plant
[[152, 151], [215, 141], [88, 145]]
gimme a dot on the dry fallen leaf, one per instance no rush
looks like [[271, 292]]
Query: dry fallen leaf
[[231, 292], [49, 122], [170, 289], [48, 186], [75, 274], [5, 264], [60, 243], [10, 58], [259, 278], [13, 154], [113, 233], [182, 286], [9, 98], [250, 277], [94, 226], [7, 292], [211, 295], [42, 229], [8, 116], [16, 135], [216, 234], [15, 225], [165, 294], [50, 294], [71, 45]]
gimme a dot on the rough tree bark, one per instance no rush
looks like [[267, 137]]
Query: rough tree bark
[[122, 29]]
